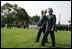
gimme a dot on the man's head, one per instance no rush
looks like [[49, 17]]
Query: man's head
[[42, 12], [45, 11], [50, 10]]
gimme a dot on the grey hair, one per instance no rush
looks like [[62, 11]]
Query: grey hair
[[50, 9]]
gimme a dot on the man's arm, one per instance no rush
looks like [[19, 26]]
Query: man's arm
[[39, 23], [54, 23]]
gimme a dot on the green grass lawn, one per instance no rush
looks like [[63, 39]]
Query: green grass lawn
[[25, 38]]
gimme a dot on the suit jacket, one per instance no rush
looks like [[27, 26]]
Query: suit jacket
[[42, 23], [51, 22]]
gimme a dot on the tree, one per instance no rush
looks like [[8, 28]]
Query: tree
[[35, 19], [6, 11], [69, 24], [22, 16], [69, 20], [13, 13]]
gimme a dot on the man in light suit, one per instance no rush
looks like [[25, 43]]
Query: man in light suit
[[42, 25]]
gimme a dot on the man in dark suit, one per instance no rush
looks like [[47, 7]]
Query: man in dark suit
[[50, 28], [42, 25]]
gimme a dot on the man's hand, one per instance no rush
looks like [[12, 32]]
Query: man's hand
[[52, 29], [55, 30]]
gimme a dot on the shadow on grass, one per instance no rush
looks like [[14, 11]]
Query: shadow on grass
[[60, 44]]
